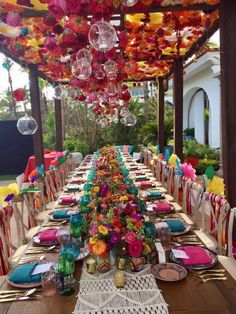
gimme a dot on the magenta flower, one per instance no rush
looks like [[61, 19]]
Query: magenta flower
[[135, 248], [130, 237], [13, 18], [115, 237], [93, 230]]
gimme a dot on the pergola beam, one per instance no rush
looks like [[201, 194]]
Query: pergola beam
[[31, 13], [36, 114], [161, 115], [58, 120]]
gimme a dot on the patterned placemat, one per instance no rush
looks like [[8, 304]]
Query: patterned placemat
[[140, 295]]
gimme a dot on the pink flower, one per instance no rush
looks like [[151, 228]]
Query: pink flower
[[93, 230], [50, 43], [135, 248], [13, 18], [188, 171], [130, 237]]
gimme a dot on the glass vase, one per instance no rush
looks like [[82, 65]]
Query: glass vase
[[104, 263]]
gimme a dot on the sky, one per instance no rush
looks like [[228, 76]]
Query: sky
[[20, 78]]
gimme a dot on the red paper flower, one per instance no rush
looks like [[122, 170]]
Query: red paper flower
[[19, 94], [13, 18], [58, 8], [135, 248]]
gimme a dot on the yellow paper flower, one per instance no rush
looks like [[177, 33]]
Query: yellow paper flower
[[103, 230], [172, 160], [216, 185], [123, 198]]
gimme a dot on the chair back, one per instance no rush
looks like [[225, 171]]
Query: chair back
[[219, 213], [232, 225]]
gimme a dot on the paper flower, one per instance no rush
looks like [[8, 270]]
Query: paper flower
[[129, 237], [188, 171], [216, 186], [172, 160], [19, 94], [103, 230]]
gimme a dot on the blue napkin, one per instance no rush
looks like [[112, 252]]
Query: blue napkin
[[175, 225], [141, 178], [22, 274], [59, 214], [73, 188], [154, 194]]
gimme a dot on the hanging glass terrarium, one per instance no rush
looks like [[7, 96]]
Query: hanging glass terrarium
[[27, 125], [102, 36]]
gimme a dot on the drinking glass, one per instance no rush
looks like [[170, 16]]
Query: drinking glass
[[66, 268], [49, 284], [63, 235], [164, 234]]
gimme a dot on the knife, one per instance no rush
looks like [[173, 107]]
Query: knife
[[36, 297]]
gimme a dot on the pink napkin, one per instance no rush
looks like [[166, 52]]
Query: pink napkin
[[67, 199], [78, 181], [146, 184], [162, 207], [138, 172], [49, 235], [197, 255]]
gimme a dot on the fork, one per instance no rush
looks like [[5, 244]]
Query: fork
[[210, 275], [214, 278], [208, 271]]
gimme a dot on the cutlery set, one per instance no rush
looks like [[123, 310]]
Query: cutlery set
[[210, 274], [55, 223], [40, 249], [18, 295]]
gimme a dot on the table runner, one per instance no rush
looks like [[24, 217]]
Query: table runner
[[140, 295]]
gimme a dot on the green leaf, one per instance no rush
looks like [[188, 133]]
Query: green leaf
[[209, 172]]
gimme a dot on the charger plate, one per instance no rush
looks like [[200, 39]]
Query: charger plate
[[169, 272], [210, 253], [28, 284]]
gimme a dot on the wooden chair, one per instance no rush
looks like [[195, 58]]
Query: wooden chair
[[10, 252], [229, 262]]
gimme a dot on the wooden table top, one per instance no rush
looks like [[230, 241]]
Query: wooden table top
[[188, 296]]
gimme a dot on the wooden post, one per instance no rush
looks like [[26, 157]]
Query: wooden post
[[178, 108], [36, 114], [228, 95], [161, 115], [58, 120]]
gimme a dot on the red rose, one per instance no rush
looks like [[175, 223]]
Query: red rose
[[19, 94], [135, 248]]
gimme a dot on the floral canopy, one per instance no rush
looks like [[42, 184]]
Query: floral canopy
[[49, 33]]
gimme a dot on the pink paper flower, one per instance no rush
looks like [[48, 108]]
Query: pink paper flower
[[58, 8], [188, 171], [13, 18], [130, 237], [135, 248]]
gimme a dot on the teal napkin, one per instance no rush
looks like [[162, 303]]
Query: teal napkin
[[58, 214], [175, 225], [154, 194], [72, 187], [22, 274]]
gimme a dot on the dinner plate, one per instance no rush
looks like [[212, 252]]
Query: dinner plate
[[36, 240], [28, 284], [210, 253], [169, 272]]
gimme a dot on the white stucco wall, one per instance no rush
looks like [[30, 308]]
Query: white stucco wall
[[202, 74]]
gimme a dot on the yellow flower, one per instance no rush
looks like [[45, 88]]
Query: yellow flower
[[103, 230], [146, 248], [123, 198], [96, 189], [93, 240]]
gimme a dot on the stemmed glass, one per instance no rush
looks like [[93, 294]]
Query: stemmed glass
[[66, 267]]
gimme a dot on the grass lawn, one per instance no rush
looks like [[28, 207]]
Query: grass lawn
[[8, 177]]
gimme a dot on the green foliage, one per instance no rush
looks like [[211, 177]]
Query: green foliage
[[189, 132], [74, 145], [195, 149], [204, 163], [49, 137]]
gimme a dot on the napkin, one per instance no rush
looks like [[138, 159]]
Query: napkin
[[72, 187], [175, 225], [197, 255], [67, 199], [49, 235], [138, 173], [146, 184], [22, 274], [162, 207], [154, 194], [59, 214]]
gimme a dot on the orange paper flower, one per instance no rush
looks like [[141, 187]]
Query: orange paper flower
[[99, 248]]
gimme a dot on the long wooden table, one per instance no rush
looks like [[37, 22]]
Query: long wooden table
[[188, 296]]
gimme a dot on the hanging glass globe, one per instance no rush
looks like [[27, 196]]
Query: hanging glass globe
[[84, 54], [130, 120], [81, 69], [27, 125], [116, 119], [129, 3], [64, 94], [110, 66], [91, 115], [72, 93], [57, 92], [102, 36]]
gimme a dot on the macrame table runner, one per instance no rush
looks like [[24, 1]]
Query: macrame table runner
[[140, 295]]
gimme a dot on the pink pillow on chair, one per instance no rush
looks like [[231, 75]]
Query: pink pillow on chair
[[126, 149]]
